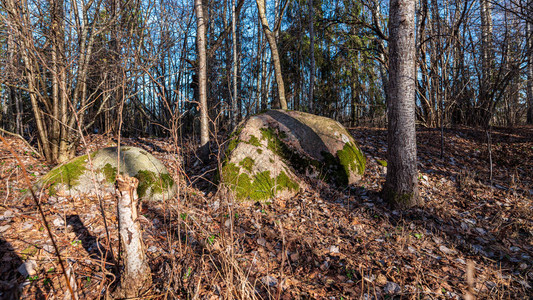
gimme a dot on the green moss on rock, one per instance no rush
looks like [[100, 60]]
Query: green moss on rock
[[280, 148], [156, 184], [261, 186], [247, 163], [285, 182], [110, 173], [352, 159], [234, 140], [254, 141], [232, 145], [334, 171], [67, 174], [334, 168]]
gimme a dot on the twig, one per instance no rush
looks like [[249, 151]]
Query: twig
[[469, 294], [23, 139], [41, 212]]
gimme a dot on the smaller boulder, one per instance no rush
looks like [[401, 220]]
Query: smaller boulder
[[82, 176]]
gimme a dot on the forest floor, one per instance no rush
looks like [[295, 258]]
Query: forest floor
[[326, 243]]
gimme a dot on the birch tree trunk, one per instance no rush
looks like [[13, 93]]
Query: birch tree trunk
[[312, 53], [401, 186], [263, 89], [136, 275], [234, 99], [202, 73], [271, 38], [529, 36]]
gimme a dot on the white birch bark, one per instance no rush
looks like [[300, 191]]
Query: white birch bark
[[136, 275], [202, 72]]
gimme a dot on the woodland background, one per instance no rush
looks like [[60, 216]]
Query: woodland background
[[76, 67], [86, 74]]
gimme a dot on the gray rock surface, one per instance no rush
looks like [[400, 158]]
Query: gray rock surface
[[85, 175]]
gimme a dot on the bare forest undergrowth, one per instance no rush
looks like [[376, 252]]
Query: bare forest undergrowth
[[324, 244]]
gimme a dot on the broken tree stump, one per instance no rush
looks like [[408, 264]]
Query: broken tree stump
[[136, 275]]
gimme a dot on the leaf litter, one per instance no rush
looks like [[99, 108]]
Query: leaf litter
[[326, 243]]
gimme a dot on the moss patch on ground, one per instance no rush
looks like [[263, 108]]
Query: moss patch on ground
[[382, 162], [156, 184]]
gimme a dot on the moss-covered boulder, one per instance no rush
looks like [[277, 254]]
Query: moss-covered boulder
[[271, 153], [83, 176]]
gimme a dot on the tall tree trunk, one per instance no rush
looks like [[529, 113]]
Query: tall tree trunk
[[55, 134], [19, 111], [529, 36], [14, 94], [271, 38], [487, 65], [263, 94], [65, 148], [376, 19], [312, 53], [234, 99], [401, 186], [202, 73]]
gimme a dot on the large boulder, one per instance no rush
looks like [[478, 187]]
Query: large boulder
[[270, 154], [82, 176]]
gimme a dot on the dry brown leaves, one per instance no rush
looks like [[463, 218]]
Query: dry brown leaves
[[325, 243]]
